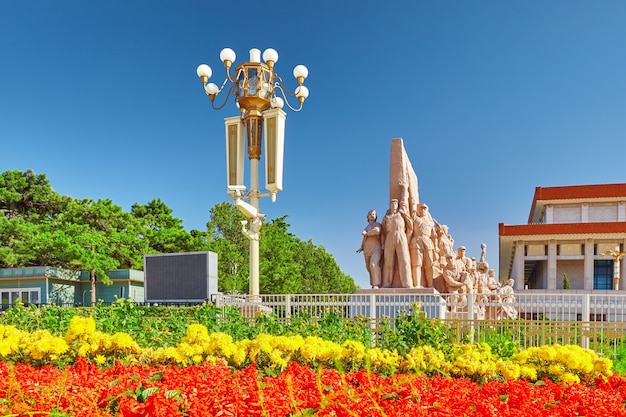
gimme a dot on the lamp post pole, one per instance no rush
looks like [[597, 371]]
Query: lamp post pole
[[256, 89], [617, 255]]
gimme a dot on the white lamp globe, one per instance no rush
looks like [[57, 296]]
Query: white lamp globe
[[300, 71], [204, 71], [277, 103], [228, 54], [302, 91], [211, 88], [270, 55]]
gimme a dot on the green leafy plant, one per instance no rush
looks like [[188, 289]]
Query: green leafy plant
[[414, 329], [566, 285], [619, 360], [501, 343]]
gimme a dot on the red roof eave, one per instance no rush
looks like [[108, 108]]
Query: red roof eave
[[561, 228]]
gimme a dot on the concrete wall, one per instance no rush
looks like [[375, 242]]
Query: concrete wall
[[603, 213], [567, 214], [585, 213], [575, 273]]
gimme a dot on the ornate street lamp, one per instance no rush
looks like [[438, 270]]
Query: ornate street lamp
[[256, 89], [616, 254]]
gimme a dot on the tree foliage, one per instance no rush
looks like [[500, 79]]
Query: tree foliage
[[28, 195], [39, 227], [287, 264], [317, 264], [278, 268], [161, 231]]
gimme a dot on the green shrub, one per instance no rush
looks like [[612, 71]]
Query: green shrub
[[566, 285], [413, 329], [501, 343], [162, 326], [619, 359]]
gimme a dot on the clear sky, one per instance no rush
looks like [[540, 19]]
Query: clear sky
[[491, 98]]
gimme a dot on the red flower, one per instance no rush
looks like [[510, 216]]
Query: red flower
[[215, 390]]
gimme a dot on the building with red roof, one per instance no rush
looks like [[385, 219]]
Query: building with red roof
[[570, 231]]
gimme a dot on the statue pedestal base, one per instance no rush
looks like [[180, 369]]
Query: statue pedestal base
[[464, 315], [252, 307], [412, 291]]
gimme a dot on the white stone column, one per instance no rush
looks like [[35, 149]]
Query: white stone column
[[551, 265], [518, 264], [588, 265]]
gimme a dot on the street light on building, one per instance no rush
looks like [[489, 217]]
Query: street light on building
[[257, 91], [617, 255]]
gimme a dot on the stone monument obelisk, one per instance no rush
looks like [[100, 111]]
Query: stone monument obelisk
[[400, 170]]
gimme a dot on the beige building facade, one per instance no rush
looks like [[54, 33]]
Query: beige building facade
[[568, 230]]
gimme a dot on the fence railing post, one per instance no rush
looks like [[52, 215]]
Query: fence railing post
[[288, 306], [586, 316]]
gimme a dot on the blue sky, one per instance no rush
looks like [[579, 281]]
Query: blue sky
[[491, 98]]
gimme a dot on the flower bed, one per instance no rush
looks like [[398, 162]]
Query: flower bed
[[209, 389], [567, 364], [86, 371]]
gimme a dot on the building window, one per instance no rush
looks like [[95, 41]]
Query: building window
[[603, 274], [11, 297]]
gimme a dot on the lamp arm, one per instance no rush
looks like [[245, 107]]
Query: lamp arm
[[230, 90], [229, 77], [224, 84], [281, 84], [279, 87]]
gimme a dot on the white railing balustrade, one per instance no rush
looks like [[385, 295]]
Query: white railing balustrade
[[561, 306], [591, 320]]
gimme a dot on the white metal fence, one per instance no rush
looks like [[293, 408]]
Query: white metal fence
[[561, 306], [592, 320]]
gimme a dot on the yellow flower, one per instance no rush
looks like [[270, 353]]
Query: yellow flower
[[124, 342], [83, 349], [277, 359], [196, 333], [546, 353], [528, 372], [569, 378], [602, 366], [556, 360], [508, 369], [311, 349], [353, 354], [41, 345], [80, 328], [556, 369], [9, 339], [219, 343]]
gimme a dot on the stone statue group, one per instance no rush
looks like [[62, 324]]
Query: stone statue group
[[410, 249]]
